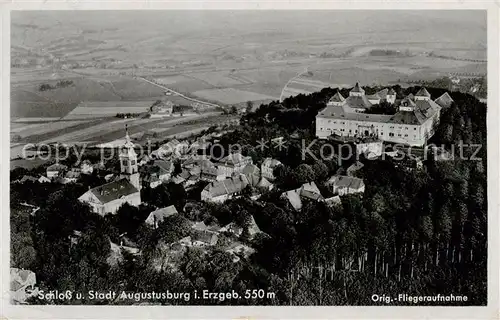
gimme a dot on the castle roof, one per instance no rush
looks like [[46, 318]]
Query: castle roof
[[444, 100], [423, 93], [357, 88], [337, 97], [358, 102], [422, 111]]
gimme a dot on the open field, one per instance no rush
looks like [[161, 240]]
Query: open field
[[219, 79], [99, 109], [231, 95], [34, 120], [41, 129]]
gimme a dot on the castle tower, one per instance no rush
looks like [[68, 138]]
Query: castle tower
[[128, 162], [337, 100], [423, 94], [357, 91], [391, 96]]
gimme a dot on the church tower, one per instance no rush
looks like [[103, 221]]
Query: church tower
[[128, 162]]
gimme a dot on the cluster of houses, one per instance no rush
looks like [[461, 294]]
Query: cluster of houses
[[60, 173], [201, 236]]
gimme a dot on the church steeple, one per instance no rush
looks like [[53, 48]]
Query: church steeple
[[128, 161]]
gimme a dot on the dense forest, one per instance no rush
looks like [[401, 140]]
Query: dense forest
[[418, 232]]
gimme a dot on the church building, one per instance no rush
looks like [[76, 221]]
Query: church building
[[109, 197]]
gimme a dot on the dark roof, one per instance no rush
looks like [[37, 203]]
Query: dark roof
[[337, 97], [444, 100], [160, 214], [423, 93], [114, 190], [391, 92], [357, 88], [358, 102], [227, 186], [423, 110]]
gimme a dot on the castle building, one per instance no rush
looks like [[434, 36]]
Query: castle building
[[413, 124], [108, 198]]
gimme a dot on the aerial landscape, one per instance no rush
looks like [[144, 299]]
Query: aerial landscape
[[248, 157]]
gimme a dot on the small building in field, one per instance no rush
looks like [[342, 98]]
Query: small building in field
[[162, 109], [346, 185], [157, 216]]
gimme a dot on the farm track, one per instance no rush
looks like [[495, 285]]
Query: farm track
[[180, 94], [169, 124]]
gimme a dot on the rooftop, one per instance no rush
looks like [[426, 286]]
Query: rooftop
[[345, 182], [444, 100], [227, 186], [423, 110], [114, 190], [160, 214], [357, 88], [423, 93]]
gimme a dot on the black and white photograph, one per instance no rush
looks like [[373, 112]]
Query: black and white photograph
[[249, 158]]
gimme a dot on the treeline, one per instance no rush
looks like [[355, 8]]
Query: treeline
[[60, 84], [129, 115]]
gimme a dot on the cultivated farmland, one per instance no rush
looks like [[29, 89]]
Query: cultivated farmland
[[231, 95], [100, 109]]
